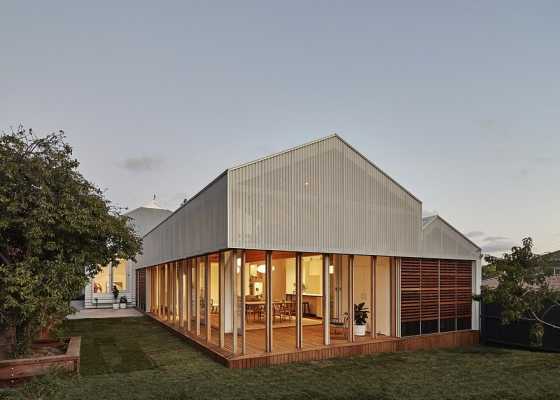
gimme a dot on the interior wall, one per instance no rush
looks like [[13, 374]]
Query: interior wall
[[228, 270], [279, 277], [215, 282], [362, 284], [383, 295], [312, 272], [342, 269]]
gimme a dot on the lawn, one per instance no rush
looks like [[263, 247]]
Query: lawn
[[134, 358]]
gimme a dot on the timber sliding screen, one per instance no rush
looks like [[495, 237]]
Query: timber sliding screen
[[141, 289], [436, 295]]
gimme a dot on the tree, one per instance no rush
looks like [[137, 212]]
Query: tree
[[523, 290], [56, 230]]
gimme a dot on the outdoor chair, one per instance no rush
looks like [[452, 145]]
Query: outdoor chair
[[340, 324]]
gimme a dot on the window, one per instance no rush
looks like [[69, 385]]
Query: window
[[108, 277], [119, 275], [312, 269], [102, 281]]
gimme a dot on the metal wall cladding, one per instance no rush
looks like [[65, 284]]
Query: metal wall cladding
[[198, 227], [440, 240], [321, 197]]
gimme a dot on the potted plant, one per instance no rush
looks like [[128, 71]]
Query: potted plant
[[123, 302], [115, 297], [360, 319]]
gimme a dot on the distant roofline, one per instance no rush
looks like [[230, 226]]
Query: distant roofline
[[428, 220], [147, 208]]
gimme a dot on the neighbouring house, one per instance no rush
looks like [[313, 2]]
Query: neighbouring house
[[553, 280], [265, 264], [98, 293], [554, 258]]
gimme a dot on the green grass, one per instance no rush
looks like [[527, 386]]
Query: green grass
[[134, 358]]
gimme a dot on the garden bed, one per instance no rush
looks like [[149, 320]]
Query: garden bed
[[47, 355]]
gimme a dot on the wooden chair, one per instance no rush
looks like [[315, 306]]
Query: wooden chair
[[249, 311], [288, 310], [277, 311], [340, 324], [260, 312]]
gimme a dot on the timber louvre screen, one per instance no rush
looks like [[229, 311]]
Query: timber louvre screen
[[141, 289], [435, 295]]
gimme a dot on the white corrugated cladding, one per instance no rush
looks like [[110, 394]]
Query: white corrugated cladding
[[441, 240], [321, 197], [197, 227]]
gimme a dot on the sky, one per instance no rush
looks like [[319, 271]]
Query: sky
[[458, 101]]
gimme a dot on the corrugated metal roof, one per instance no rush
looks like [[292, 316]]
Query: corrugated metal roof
[[428, 220]]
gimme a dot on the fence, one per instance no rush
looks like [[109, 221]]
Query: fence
[[517, 333]]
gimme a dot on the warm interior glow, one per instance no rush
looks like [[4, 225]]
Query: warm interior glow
[[102, 281], [312, 276], [261, 269], [119, 275]]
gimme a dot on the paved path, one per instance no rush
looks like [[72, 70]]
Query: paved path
[[103, 313]]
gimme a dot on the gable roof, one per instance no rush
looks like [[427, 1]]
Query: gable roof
[[427, 221], [323, 139], [144, 219], [334, 135]]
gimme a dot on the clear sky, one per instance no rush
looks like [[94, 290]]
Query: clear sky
[[459, 101]]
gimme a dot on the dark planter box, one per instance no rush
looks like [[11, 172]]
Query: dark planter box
[[12, 371]]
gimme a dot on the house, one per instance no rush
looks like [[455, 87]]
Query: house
[[554, 259], [98, 292], [553, 280], [265, 264]]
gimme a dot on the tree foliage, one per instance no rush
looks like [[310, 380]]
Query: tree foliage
[[523, 289], [56, 230]]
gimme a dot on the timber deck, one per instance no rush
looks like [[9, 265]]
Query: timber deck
[[284, 350]]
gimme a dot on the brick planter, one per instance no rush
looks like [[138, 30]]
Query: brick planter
[[12, 371]]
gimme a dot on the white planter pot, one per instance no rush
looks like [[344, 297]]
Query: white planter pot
[[359, 330], [123, 305], [115, 306]]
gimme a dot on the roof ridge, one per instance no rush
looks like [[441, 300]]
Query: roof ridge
[[312, 142], [437, 216], [322, 139]]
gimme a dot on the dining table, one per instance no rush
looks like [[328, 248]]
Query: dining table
[[252, 305]]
